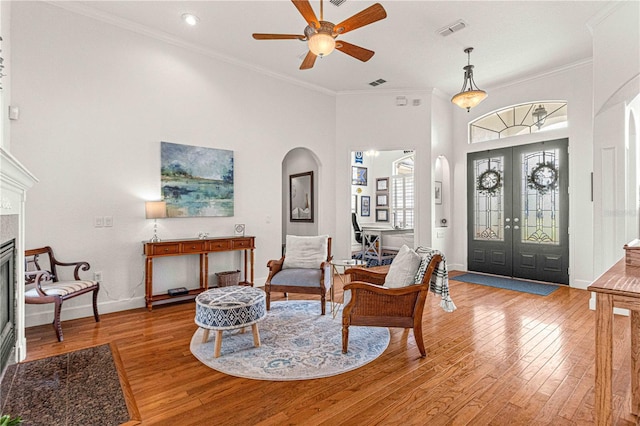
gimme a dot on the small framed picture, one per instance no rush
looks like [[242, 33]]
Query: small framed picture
[[358, 175], [382, 200], [437, 192], [382, 184], [382, 215], [365, 206]]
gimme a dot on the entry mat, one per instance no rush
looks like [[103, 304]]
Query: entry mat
[[508, 283]]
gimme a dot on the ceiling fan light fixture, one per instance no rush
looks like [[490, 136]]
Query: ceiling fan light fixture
[[321, 44], [472, 95]]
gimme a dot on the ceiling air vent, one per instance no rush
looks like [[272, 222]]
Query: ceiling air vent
[[337, 2], [452, 28], [378, 82]]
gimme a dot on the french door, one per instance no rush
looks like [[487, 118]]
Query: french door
[[518, 211]]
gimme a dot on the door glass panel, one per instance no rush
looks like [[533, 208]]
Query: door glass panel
[[489, 199], [540, 197]]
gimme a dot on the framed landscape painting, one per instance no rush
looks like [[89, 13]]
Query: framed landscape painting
[[196, 181]]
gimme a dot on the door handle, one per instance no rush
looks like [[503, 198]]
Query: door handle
[[507, 227], [508, 220], [516, 227], [516, 220]]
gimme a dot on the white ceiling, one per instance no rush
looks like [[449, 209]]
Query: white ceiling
[[512, 39]]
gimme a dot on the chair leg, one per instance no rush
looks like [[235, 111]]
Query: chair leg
[[95, 304], [323, 300], [417, 334], [56, 319], [345, 337], [268, 301]]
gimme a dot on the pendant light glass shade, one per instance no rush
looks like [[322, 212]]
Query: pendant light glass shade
[[470, 95], [321, 44]]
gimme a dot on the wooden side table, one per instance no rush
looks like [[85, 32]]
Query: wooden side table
[[618, 287], [199, 247]]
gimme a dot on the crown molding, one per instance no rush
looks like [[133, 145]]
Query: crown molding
[[137, 28]]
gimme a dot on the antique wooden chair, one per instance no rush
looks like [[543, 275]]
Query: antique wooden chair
[[44, 285], [369, 303], [303, 269]]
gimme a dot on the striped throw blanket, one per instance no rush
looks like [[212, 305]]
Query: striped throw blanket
[[439, 281]]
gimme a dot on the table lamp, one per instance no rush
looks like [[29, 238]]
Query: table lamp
[[155, 210]]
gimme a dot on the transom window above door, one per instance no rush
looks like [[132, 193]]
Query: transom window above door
[[519, 119]]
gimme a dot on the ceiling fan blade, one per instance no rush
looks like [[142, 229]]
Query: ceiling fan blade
[[367, 16], [305, 9], [308, 62], [258, 36], [356, 51]]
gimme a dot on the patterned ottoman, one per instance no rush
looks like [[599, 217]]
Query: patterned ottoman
[[228, 308]]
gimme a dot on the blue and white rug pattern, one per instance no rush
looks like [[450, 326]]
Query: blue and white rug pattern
[[297, 343]]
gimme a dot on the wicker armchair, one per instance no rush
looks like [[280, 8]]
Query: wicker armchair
[[371, 304]]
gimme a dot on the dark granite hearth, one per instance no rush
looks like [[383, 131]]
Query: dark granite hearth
[[77, 388]]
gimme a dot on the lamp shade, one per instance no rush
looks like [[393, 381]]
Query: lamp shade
[[469, 98], [321, 44], [155, 209]]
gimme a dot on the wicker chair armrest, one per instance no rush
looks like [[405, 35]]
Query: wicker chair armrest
[[355, 286], [366, 275], [36, 277]]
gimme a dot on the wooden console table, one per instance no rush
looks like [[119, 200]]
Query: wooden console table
[[618, 287], [193, 247]]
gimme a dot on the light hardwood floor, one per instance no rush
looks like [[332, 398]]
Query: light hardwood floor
[[503, 358]]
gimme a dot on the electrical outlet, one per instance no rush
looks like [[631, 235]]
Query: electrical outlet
[[108, 221], [98, 222], [97, 276]]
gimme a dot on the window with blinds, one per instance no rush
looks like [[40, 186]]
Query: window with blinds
[[402, 201]]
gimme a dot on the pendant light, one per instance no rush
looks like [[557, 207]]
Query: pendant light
[[472, 95], [539, 116]]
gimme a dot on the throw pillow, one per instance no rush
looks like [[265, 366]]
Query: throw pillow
[[403, 268], [305, 252]]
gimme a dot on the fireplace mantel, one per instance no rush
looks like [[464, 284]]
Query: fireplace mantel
[[15, 180]]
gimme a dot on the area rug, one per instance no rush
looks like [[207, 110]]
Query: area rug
[[83, 387], [297, 343], [508, 283]]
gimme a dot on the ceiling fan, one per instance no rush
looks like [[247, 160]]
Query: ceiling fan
[[321, 35]]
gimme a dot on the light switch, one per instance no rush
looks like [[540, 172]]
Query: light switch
[[98, 222], [108, 221]]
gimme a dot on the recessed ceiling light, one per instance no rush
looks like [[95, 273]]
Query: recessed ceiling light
[[190, 19]]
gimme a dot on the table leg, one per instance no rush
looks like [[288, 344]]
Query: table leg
[[205, 335], [604, 358], [216, 351], [635, 362], [256, 335], [148, 282]]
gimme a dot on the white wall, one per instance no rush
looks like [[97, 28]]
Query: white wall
[[96, 101], [574, 86], [373, 121], [616, 76]]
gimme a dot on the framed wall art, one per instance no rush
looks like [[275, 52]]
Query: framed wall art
[[382, 215], [382, 184], [358, 175], [365, 206], [196, 181], [382, 200], [437, 192], [301, 197]]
